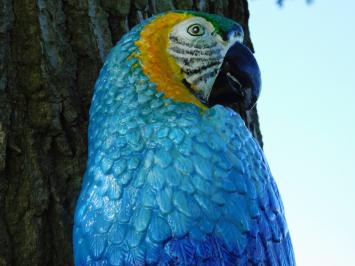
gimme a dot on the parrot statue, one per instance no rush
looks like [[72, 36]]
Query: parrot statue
[[174, 176]]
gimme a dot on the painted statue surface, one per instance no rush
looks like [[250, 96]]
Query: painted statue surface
[[174, 177]]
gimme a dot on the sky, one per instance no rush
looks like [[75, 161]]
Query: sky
[[307, 113]]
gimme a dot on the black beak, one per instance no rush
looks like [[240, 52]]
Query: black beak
[[239, 81]]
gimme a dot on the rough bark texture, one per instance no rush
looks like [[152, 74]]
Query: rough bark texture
[[50, 56]]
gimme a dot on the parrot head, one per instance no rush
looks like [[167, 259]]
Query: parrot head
[[199, 58]]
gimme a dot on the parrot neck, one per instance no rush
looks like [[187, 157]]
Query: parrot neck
[[125, 92]]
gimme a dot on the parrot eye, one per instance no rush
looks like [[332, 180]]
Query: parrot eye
[[196, 30]]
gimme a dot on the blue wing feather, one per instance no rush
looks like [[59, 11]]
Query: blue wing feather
[[167, 183]]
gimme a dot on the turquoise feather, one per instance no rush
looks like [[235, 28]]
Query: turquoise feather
[[169, 183]]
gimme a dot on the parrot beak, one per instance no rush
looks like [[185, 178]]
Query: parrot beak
[[238, 81]]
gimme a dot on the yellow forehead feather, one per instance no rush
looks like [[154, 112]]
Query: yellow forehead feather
[[157, 64]]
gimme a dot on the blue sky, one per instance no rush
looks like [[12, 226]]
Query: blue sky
[[307, 113]]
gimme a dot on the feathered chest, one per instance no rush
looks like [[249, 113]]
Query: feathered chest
[[169, 172]]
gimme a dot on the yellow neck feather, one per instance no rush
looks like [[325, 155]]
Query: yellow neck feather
[[157, 64]]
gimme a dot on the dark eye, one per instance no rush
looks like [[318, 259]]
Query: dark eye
[[196, 30]]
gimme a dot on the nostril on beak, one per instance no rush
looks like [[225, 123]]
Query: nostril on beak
[[235, 35]]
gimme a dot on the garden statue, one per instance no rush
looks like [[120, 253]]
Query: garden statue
[[174, 177]]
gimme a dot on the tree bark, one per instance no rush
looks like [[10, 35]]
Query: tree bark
[[51, 53]]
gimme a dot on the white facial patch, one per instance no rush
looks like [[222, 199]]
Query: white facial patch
[[199, 51]]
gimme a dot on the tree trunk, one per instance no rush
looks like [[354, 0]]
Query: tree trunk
[[51, 53]]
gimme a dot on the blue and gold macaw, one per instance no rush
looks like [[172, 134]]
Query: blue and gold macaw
[[174, 177]]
